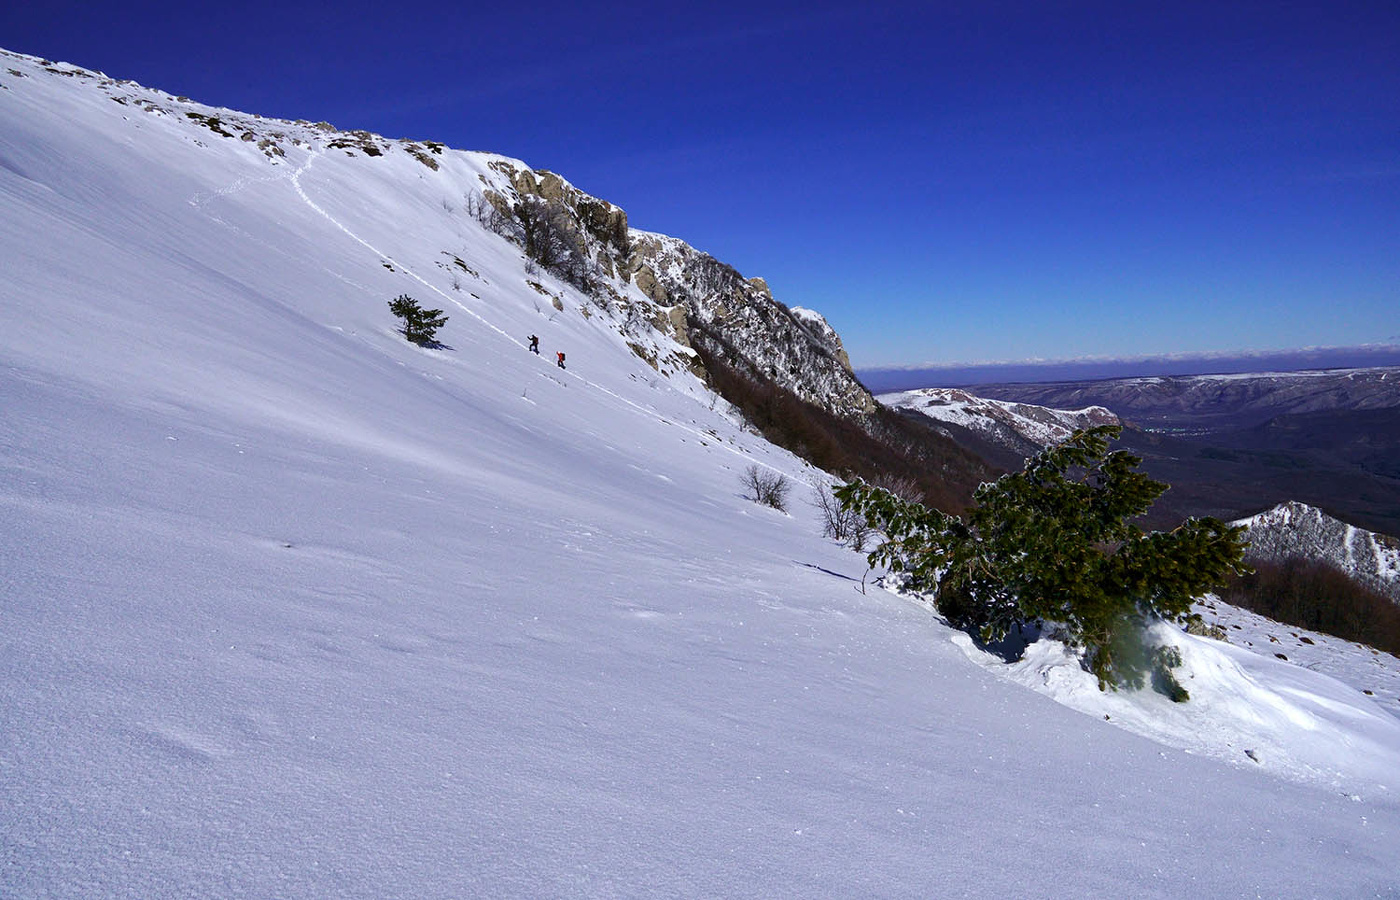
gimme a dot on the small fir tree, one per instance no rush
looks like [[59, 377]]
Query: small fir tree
[[1053, 544], [419, 325]]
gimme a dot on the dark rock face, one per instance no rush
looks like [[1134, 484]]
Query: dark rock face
[[796, 349]]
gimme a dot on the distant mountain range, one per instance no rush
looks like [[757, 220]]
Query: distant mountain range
[[1001, 431], [1216, 402], [902, 378], [1232, 445]]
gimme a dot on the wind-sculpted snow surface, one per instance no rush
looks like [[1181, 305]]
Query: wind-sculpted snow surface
[[291, 607], [1245, 709]]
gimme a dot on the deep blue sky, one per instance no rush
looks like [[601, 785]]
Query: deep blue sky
[[947, 182]]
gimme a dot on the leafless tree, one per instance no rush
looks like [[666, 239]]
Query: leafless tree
[[485, 212], [839, 523], [766, 487], [902, 486]]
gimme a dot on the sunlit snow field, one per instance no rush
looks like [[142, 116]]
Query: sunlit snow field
[[291, 607]]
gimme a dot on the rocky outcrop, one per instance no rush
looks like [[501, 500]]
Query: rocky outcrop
[[587, 242], [1297, 530], [818, 326], [795, 349]]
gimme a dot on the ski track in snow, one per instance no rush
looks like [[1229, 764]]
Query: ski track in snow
[[316, 153], [201, 201]]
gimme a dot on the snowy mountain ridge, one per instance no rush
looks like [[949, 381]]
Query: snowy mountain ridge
[[1296, 529], [1023, 428], [624, 269], [1229, 401], [292, 607]]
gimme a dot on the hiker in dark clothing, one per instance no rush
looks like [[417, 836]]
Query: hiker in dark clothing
[[534, 343]]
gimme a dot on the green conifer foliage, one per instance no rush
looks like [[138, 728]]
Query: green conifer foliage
[[419, 325], [1053, 544]]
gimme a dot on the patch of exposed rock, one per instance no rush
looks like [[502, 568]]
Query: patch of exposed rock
[[797, 349]]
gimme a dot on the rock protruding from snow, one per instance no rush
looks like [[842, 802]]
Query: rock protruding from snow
[[594, 249], [1296, 529]]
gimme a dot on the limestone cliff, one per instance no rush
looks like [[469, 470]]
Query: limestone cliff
[[587, 242]]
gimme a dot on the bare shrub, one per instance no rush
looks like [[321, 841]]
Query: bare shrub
[[766, 487], [905, 487], [547, 229], [838, 522], [550, 237], [481, 209]]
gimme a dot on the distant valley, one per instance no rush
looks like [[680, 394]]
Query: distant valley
[[1208, 403], [1233, 445]]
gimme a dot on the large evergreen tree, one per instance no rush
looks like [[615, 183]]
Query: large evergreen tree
[[1053, 544]]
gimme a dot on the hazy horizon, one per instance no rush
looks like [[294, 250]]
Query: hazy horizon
[[884, 379]]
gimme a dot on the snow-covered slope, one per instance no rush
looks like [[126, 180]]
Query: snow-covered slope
[[290, 607], [1296, 529], [1018, 427]]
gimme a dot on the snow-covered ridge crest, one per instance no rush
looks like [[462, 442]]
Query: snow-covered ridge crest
[[273, 138], [1296, 529], [647, 286], [1021, 427]]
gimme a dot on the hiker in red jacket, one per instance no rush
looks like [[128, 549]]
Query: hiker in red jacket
[[561, 359]]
